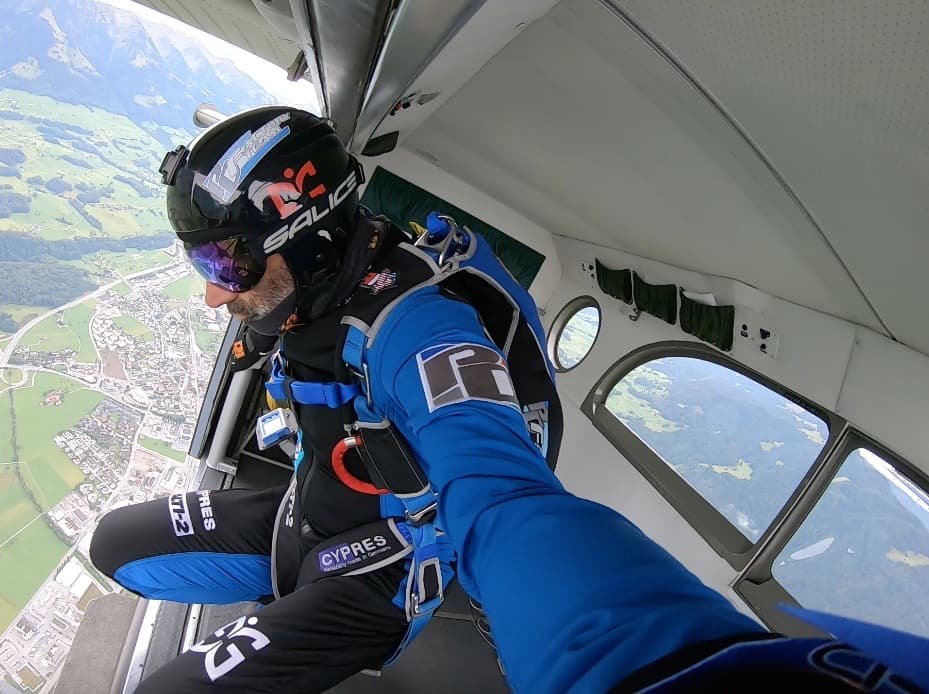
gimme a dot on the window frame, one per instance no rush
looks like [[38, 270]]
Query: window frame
[[724, 537], [756, 584], [563, 317]]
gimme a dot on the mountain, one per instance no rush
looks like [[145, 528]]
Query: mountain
[[89, 53]]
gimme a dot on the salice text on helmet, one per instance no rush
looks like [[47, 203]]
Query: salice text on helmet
[[311, 215]]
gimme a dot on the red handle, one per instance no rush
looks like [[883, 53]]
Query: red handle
[[347, 478]]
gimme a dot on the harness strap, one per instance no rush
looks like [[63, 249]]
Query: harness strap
[[361, 550], [282, 387], [378, 544], [424, 592]]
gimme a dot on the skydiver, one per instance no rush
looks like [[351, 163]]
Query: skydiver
[[426, 428]]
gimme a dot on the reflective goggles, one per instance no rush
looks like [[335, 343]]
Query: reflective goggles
[[227, 263]]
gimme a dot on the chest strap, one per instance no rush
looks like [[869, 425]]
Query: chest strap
[[282, 388]]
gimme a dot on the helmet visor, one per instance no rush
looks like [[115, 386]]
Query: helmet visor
[[227, 263]]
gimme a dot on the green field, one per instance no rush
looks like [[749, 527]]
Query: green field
[[6, 428], [124, 212], [23, 314], [10, 375], [161, 447], [185, 287], [48, 472], [105, 266], [29, 550], [208, 341], [25, 562], [16, 508], [48, 337], [134, 328], [130, 262], [121, 289], [111, 263], [624, 404]]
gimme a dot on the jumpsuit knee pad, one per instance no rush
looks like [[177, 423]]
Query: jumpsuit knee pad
[[109, 544]]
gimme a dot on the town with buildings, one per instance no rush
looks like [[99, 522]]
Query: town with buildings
[[152, 374]]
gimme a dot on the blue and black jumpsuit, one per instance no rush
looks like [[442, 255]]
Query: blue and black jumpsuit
[[215, 547]]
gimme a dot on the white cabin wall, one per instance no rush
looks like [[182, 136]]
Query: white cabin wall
[[591, 467], [886, 393], [881, 387], [438, 182]]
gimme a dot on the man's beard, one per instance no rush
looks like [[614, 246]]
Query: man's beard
[[272, 295]]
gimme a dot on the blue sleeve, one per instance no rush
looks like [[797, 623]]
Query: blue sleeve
[[577, 597]]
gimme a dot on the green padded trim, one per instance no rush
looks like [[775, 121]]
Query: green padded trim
[[660, 300], [403, 202], [615, 283], [713, 324]]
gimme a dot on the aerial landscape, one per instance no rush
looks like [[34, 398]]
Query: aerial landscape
[[106, 345]]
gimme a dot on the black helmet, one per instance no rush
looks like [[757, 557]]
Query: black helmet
[[273, 179]]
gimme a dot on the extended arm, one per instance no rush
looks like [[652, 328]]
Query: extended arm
[[577, 597]]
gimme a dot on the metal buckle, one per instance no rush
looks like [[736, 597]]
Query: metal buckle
[[444, 247], [365, 377], [418, 518], [417, 608], [450, 238]]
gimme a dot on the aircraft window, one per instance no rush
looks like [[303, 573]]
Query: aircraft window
[[574, 330], [726, 450], [863, 551]]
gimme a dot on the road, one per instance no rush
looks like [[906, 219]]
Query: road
[[85, 384], [14, 341]]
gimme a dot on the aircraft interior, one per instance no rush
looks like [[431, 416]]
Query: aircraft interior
[[720, 211]]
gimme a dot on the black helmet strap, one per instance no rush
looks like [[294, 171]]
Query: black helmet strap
[[362, 246]]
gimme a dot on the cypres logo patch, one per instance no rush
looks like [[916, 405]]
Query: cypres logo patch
[[349, 554], [455, 373]]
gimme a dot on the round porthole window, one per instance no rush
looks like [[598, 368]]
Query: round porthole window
[[574, 332]]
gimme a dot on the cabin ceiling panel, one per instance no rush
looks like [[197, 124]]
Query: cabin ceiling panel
[[585, 129], [836, 93]]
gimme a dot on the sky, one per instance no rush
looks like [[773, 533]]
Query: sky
[[268, 75]]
